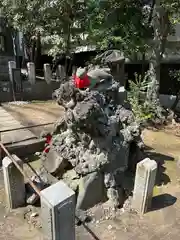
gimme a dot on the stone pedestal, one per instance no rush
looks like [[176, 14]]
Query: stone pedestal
[[14, 183], [11, 65], [144, 184], [47, 73], [88, 196], [31, 73], [58, 212]]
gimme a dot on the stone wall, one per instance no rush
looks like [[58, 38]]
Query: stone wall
[[39, 91]]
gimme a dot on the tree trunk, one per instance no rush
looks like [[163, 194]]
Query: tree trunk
[[37, 57], [67, 50], [153, 88], [32, 51], [160, 23]]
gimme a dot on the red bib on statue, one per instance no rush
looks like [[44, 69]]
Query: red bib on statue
[[81, 83]]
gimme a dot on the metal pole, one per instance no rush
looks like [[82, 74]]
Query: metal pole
[[27, 127], [20, 169]]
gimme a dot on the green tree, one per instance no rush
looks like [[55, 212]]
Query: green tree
[[117, 24], [163, 17], [63, 24], [24, 16], [57, 23]]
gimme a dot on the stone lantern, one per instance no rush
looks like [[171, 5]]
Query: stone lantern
[[115, 61]]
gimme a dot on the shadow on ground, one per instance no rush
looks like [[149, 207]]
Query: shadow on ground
[[162, 201], [161, 178]]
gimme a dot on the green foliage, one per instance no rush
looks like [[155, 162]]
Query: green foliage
[[175, 74], [23, 15], [137, 98], [117, 24], [59, 22], [63, 23]]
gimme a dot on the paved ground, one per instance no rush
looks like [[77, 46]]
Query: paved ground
[[161, 223], [7, 121], [163, 220], [12, 225], [35, 113]]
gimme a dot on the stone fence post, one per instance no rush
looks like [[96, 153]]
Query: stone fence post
[[61, 72], [47, 73], [11, 65], [58, 212], [14, 183], [31, 72], [144, 184]]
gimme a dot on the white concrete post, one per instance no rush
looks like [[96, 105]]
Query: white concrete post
[[47, 73], [11, 65], [58, 212], [144, 184], [31, 73], [14, 183], [61, 72]]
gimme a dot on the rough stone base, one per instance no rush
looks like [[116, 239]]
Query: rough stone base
[[91, 191]]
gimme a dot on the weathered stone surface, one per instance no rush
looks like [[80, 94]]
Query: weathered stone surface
[[31, 72], [58, 212], [71, 178], [14, 183], [94, 137], [11, 65], [91, 191], [54, 162], [61, 72], [144, 184], [47, 73]]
